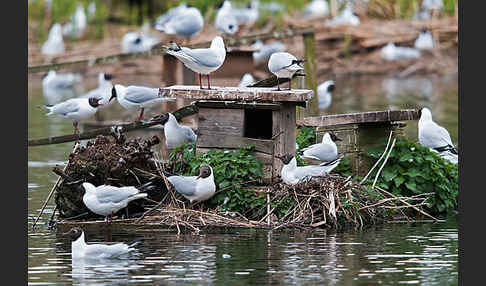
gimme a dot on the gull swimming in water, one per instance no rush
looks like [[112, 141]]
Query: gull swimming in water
[[75, 109], [324, 93], [326, 151], [225, 20], [184, 21], [201, 61], [291, 174], [195, 188], [434, 136], [316, 9], [54, 44], [106, 200], [81, 249], [425, 41], [135, 98], [175, 133], [284, 65], [76, 27]]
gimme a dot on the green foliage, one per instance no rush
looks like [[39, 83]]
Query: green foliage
[[232, 168], [413, 169], [305, 137]]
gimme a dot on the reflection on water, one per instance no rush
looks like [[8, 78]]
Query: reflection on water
[[421, 253]]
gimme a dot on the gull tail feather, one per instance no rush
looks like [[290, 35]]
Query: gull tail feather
[[135, 242], [332, 164]]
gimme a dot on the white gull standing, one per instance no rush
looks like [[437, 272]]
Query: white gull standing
[[76, 27], [246, 80], [291, 174], [326, 151], [175, 133], [435, 137], [54, 44], [247, 15], [424, 41], [316, 9], [264, 51], [195, 188], [225, 20], [346, 17], [324, 93], [75, 109], [134, 98], [391, 52], [202, 61], [82, 250], [106, 200], [284, 65], [134, 42], [184, 21]]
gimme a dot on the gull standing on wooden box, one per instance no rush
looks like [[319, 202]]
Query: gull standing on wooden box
[[284, 65], [135, 98], [175, 133], [201, 61]]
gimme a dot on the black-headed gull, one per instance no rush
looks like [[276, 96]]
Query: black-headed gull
[[316, 9], [103, 91], [249, 14], [225, 20], [291, 174], [195, 188], [76, 27], [82, 250], [284, 65], [135, 42], [54, 44], [264, 51], [175, 133], [391, 52], [434, 136], [75, 109], [134, 98], [201, 61], [184, 21], [424, 41], [246, 80], [106, 200], [326, 151], [324, 93]]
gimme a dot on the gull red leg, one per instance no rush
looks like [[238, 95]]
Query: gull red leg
[[76, 130], [209, 86], [141, 114], [200, 81], [290, 81], [278, 84]]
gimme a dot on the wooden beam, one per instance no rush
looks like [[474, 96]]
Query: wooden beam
[[297, 96], [180, 113], [237, 105], [360, 118]]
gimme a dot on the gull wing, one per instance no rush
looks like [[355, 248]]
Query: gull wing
[[141, 94], [112, 194], [184, 185]]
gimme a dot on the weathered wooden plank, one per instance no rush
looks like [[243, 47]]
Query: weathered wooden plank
[[232, 142], [258, 94], [214, 121], [236, 105], [360, 117]]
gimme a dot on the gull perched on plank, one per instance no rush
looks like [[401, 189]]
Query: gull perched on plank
[[435, 137], [324, 93], [80, 249], [195, 188], [284, 65], [201, 61], [54, 44], [183, 21], [175, 133], [326, 151], [106, 200], [291, 174], [75, 109], [135, 98]]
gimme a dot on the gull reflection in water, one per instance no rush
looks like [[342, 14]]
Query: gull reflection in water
[[86, 271]]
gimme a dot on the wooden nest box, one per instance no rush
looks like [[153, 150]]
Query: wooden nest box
[[231, 117]]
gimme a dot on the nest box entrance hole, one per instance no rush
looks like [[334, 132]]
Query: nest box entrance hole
[[258, 124]]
